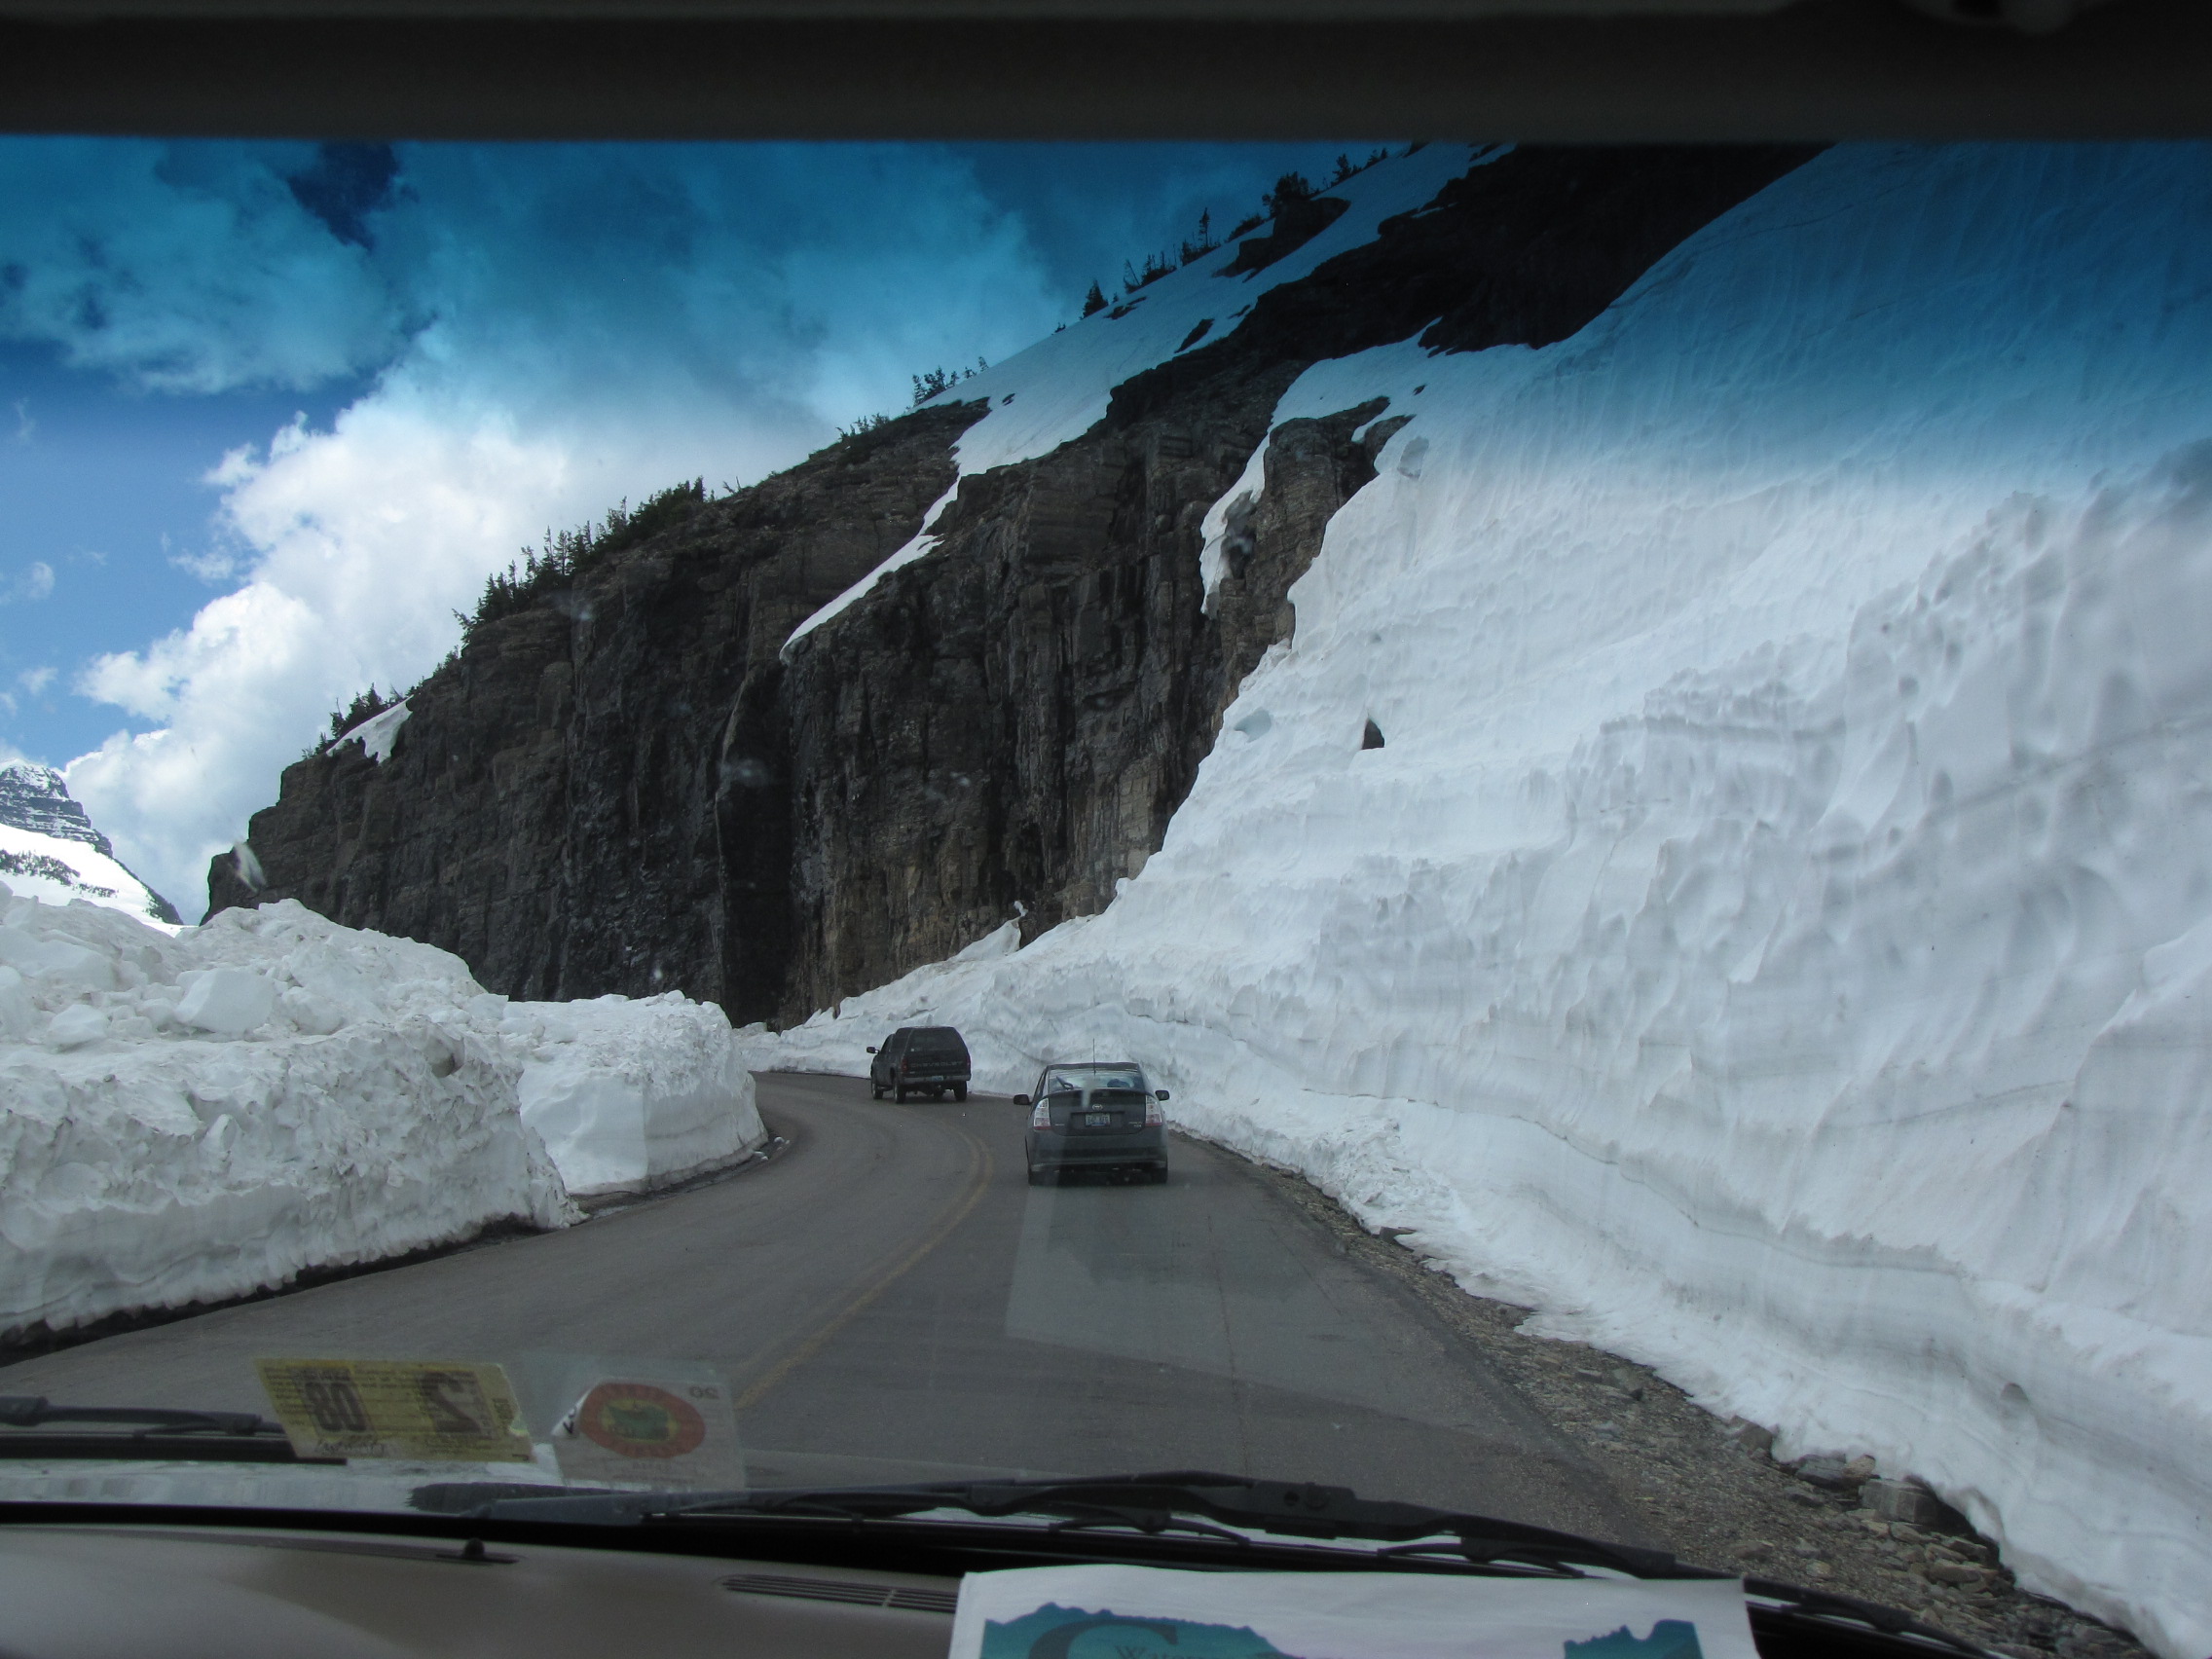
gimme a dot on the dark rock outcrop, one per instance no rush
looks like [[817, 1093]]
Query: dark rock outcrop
[[630, 787], [1297, 222]]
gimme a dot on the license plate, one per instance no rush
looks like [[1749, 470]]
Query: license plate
[[1099, 1120]]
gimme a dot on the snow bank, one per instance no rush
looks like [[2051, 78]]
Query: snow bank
[[196, 1115], [1775, 940], [631, 1096]]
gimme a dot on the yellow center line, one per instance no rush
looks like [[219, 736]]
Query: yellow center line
[[982, 1165]]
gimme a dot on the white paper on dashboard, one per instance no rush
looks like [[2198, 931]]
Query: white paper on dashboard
[[1143, 1612]]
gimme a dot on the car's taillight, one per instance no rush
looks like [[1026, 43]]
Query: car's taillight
[[1040, 1115], [1155, 1115]]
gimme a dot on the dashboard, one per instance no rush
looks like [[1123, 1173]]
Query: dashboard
[[72, 1592]]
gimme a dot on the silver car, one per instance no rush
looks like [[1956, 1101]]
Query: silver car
[[1095, 1115]]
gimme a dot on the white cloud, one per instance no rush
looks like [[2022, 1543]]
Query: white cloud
[[34, 584], [605, 322], [214, 567], [35, 680]]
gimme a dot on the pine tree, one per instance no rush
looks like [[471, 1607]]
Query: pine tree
[[1290, 189], [1094, 301]]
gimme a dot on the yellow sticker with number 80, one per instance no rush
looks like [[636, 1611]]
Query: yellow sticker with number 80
[[436, 1411]]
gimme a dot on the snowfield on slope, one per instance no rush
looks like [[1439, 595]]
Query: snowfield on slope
[[1057, 390], [1774, 939], [197, 1114]]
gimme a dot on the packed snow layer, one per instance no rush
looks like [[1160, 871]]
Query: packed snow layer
[[1057, 390], [195, 1115], [1775, 940]]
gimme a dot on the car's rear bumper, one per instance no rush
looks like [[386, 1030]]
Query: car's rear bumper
[[1051, 1150]]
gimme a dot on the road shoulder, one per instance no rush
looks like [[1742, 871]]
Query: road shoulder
[[1708, 1489]]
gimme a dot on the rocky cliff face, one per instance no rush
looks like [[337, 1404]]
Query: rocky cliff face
[[631, 786], [549, 811]]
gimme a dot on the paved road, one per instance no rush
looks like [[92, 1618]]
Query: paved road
[[889, 1299]]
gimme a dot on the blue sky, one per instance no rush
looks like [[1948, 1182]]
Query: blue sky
[[269, 412], [108, 539]]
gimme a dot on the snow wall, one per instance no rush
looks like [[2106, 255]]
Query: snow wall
[[196, 1114], [1774, 939]]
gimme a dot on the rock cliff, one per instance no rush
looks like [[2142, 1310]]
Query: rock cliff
[[631, 784]]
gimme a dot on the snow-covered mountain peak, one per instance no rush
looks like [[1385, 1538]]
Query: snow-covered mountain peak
[[34, 798], [51, 851]]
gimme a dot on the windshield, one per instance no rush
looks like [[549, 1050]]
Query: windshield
[[1061, 1078], [1609, 743]]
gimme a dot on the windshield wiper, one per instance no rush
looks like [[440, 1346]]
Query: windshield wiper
[[1149, 1503], [1797, 1605], [1168, 1502], [34, 1411], [1151, 1524], [139, 1432]]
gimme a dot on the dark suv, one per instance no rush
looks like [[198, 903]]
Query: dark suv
[[920, 1059], [1095, 1115]]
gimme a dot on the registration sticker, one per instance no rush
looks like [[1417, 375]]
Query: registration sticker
[[635, 1419], [664, 1424], [432, 1411]]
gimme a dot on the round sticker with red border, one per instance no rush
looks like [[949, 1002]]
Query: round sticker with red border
[[635, 1419]]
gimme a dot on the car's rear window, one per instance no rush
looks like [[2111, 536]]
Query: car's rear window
[[1116, 1097], [944, 1041]]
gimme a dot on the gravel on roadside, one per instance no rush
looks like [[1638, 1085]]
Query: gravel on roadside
[[1711, 1492]]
